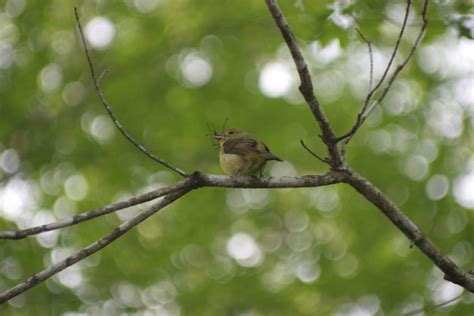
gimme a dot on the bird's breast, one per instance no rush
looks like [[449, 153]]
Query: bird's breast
[[233, 164]]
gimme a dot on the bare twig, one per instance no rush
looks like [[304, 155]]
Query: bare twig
[[452, 272], [306, 87], [76, 219], [394, 54], [312, 152], [403, 64], [433, 307], [109, 109], [371, 56], [89, 250], [366, 109]]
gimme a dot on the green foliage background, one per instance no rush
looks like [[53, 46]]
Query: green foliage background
[[177, 262]]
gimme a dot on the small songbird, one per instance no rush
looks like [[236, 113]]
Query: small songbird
[[241, 154]]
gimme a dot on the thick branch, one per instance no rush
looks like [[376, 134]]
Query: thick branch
[[306, 87], [41, 276], [411, 230], [195, 181], [199, 180], [109, 109], [309, 181], [76, 219]]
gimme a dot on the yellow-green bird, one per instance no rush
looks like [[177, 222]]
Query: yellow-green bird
[[242, 154]]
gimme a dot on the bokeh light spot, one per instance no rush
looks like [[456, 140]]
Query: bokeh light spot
[[437, 187], [145, 6], [464, 190], [416, 167], [76, 187], [50, 77], [243, 248], [275, 79], [100, 32], [102, 129], [196, 69], [9, 161]]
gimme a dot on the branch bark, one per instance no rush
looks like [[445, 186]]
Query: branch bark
[[209, 180], [411, 230], [340, 173], [306, 87], [76, 219], [199, 180], [196, 180], [41, 276]]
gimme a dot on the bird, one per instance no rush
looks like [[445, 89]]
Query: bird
[[241, 154]]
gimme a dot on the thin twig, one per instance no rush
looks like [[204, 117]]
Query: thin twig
[[89, 250], [392, 58], [433, 307], [366, 110], [371, 56], [306, 87], [76, 219], [109, 109], [312, 152], [403, 64]]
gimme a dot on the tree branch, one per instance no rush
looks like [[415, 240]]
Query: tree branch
[[41, 276], [340, 173], [433, 307], [394, 53], [210, 180], [371, 57], [109, 109], [196, 180], [76, 219], [411, 230], [452, 271], [366, 110], [306, 87], [403, 64], [312, 152]]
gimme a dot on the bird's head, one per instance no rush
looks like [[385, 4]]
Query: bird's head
[[229, 133]]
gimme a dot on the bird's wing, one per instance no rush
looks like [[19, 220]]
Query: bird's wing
[[245, 145], [241, 146]]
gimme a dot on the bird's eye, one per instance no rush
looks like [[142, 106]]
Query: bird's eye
[[230, 133]]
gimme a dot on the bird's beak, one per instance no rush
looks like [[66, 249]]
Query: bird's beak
[[218, 136]]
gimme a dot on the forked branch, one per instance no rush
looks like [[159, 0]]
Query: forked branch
[[368, 190], [89, 250], [195, 181], [306, 87], [340, 173], [76, 219], [371, 59], [368, 107]]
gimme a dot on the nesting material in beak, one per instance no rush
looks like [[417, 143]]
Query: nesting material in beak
[[218, 136]]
